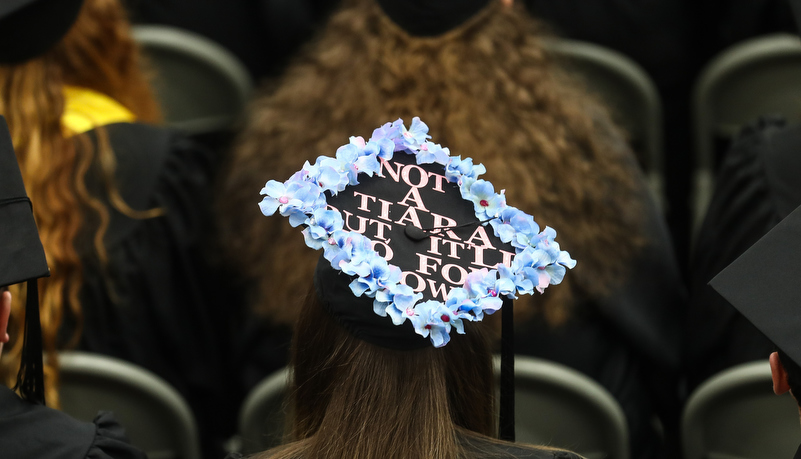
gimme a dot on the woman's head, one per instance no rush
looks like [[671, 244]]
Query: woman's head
[[354, 399]]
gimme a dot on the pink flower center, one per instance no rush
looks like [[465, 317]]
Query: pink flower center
[[409, 312], [283, 200], [428, 327], [331, 241], [483, 203], [424, 147], [445, 318], [492, 292]]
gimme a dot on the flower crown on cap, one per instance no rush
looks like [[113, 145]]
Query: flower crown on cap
[[537, 263]]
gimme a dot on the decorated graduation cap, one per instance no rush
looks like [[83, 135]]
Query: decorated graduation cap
[[427, 18], [763, 284], [414, 243], [22, 259], [28, 28]]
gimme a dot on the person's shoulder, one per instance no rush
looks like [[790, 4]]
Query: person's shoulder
[[34, 431]]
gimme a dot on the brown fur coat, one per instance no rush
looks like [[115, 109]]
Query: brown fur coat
[[487, 90]]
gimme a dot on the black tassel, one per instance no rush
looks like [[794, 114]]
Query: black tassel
[[30, 379], [507, 414]]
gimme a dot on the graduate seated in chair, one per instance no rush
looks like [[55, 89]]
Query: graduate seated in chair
[[762, 284], [389, 359], [28, 429]]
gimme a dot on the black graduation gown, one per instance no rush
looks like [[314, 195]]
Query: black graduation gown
[[757, 187], [29, 431], [158, 302]]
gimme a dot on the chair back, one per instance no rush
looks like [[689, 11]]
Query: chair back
[[759, 76], [263, 414], [736, 415], [628, 92], [156, 418], [560, 407], [201, 86]]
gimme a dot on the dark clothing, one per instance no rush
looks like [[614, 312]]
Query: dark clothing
[[628, 341], [263, 34], [756, 188], [157, 302], [798, 453], [29, 431]]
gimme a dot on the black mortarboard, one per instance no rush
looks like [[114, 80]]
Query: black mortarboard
[[28, 28], [764, 284], [427, 18], [414, 243], [22, 259]]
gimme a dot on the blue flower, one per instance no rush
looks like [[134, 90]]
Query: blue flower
[[415, 135], [511, 223], [480, 283], [386, 137], [380, 275], [457, 168], [486, 203], [325, 176], [348, 252], [506, 282], [291, 199], [432, 153], [398, 301], [462, 306], [532, 264], [360, 254], [433, 320], [320, 225]]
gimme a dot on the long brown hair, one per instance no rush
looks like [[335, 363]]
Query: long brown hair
[[354, 399], [487, 90], [97, 53]]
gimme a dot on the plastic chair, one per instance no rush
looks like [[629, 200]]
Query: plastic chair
[[202, 87], [560, 407], [155, 416], [262, 415], [760, 76], [736, 415], [628, 92]]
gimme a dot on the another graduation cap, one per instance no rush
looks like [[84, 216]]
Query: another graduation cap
[[414, 242], [428, 18], [764, 284], [28, 28], [22, 259]]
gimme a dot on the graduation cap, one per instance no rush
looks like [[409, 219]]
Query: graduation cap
[[415, 244], [22, 259], [28, 28], [763, 284], [428, 18]]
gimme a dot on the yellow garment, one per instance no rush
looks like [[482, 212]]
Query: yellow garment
[[85, 110]]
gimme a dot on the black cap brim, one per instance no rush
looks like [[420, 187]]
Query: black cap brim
[[764, 284]]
